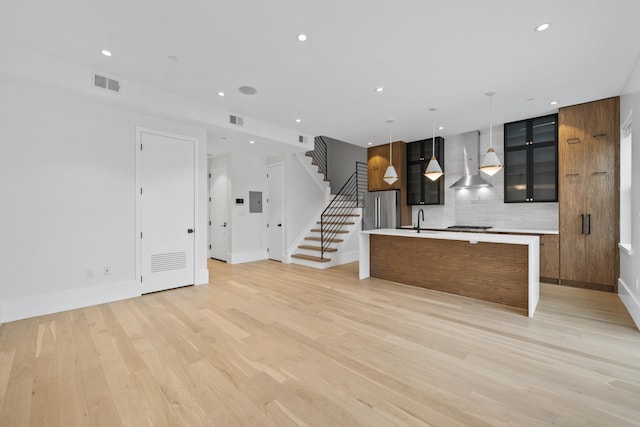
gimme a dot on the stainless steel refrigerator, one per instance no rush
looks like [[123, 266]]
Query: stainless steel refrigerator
[[381, 210]]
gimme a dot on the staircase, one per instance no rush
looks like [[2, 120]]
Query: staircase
[[339, 222], [319, 156]]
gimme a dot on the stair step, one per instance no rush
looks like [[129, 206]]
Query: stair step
[[317, 248], [310, 258], [318, 230], [334, 222], [308, 153], [319, 239], [332, 214]]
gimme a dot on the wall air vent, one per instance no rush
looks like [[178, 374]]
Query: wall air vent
[[106, 83], [302, 139], [236, 120]]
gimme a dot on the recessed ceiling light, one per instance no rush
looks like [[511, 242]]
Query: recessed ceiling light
[[298, 120], [441, 128], [543, 27], [105, 52], [553, 103], [369, 143], [379, 89], [248, 90], [252, 142], [172, 58], [302, 37], [220, 93]]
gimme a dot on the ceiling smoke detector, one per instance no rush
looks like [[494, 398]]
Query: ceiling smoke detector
[[248, 90]]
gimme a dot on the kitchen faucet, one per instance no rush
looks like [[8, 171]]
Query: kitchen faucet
[[420, 212]]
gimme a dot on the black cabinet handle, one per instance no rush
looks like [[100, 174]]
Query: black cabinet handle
[[589, 224], [582, 226], [279, 225], [190, 230]]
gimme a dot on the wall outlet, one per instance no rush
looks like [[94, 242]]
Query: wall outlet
[[106, 271], [89, 274]]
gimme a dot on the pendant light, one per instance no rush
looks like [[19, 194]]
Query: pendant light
[[491, 163], [433, 171], [390, 175]]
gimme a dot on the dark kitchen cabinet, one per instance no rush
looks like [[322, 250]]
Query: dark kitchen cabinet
[[531, 160], [420, 189]]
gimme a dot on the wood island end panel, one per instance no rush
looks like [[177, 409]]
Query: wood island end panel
[[495, 272]]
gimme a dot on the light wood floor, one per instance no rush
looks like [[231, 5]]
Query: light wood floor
[[284, 345]]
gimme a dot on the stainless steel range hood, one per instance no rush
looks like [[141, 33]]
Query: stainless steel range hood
[[471, 153]]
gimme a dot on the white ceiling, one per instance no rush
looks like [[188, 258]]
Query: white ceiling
[[425, 53]]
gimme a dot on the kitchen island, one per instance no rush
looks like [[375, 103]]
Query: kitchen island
[[501, 268]]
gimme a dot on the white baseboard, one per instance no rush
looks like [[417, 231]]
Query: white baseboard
[[202, 277], [239, 258], [38, 305], [630, 301]]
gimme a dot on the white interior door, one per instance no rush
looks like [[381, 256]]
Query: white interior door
[[166, 212], [219, 214], [275, 211]]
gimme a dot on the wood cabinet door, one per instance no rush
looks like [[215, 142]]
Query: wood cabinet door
[[571, 182], [549, 256], [377, 163], [601, 192]]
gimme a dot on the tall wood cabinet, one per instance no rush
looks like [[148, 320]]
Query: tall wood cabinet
[[377, 162], [588, 175]]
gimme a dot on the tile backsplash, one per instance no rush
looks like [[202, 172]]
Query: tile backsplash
[[483, 206]]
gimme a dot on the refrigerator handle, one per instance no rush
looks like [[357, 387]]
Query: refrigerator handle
[[378, 212]]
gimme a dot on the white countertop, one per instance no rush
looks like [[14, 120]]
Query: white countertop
[[493, 229], [458, 235]]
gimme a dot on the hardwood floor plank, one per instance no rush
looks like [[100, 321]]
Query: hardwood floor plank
[[271, 344]]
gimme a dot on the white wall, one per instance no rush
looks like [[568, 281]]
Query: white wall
[[248, 230], [67, 180], [304, 201], [628, 285], [483, 206]]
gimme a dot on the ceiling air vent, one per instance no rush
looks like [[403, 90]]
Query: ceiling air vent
[[236, 120], [107, 83]]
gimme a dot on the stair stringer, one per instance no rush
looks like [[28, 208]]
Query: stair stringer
[[305, 231], [318, 178]]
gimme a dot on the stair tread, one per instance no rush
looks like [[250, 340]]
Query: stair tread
[[310, 258], [319, 239], [333, 222], [333, 214], [316, 248], [319, 230]]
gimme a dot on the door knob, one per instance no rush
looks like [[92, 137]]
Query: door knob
[[190, 230]]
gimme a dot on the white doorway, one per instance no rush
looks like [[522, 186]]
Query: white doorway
[[275, 211], [218, 213], [165, 210]]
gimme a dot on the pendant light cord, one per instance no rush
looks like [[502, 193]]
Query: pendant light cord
[[390, 150], [433, 139], [491, 121]]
